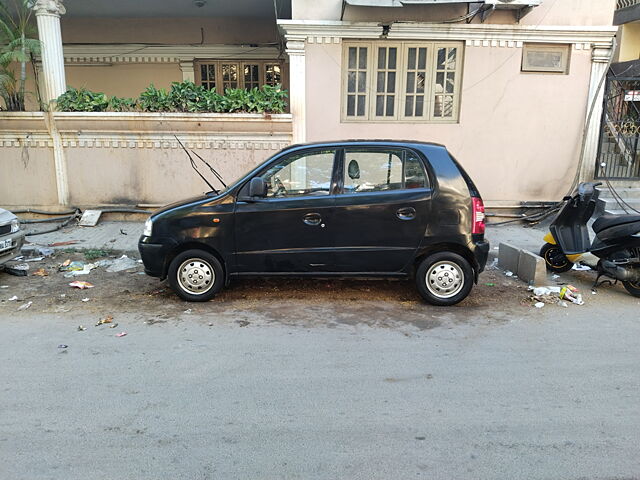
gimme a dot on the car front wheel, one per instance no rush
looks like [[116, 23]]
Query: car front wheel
[[444, 278], [196, 275]]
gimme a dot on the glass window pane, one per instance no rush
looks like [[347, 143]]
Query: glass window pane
[[437, 106], [203, 72], [273, 75], [411, 59], [390, 105], [361, 105], [380, 105], [393, 53], [420, 83], [372, 171], [351, 82], [353, 51], [363, 58], [382, 58], [439, 82], [450, 82], [391, 82], [351, 105], [422, 58], [442, 53], [447, 108], [419, 105], [306, 174], [451, 59], [411, 80], [408, 106], [362, 81], [414, 174], [380, 83], [251, 76]]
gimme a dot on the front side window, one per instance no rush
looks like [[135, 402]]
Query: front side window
[[377, 170], [301, 174], [417, 82]]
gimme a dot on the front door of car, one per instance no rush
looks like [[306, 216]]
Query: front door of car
[[382, 212], [286, 231]]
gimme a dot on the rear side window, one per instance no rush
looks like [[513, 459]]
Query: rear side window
[[376, 170]]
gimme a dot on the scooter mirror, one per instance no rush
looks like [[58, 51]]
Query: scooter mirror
[[567, 198]]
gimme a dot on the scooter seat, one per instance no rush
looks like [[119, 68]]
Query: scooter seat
[[608, 221]]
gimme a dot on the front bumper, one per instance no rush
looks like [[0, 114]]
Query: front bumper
[[17, 240], [154, 255]]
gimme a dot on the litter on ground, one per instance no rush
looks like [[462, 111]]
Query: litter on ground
[[580, 267], [25, 306], [80, 285]]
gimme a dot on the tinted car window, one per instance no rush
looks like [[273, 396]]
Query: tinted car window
[[301, 174], [381, 170]]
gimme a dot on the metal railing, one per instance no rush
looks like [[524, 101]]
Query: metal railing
[[626, 3]]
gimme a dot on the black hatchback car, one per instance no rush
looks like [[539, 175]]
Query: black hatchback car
[[347, 209]]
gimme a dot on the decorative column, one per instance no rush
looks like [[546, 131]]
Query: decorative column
[[186, 67], [297, 87], [600, 56], [48, 16]]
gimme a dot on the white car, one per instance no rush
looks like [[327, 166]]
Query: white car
[[11, 237]]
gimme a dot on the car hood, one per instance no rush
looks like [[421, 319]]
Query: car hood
[[180, 203], [6, 216]]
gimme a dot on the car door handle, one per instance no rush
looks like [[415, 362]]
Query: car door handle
[[406, 213], [312, 219]]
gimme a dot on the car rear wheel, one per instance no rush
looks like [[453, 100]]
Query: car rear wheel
[[196, 275], [444, 278]]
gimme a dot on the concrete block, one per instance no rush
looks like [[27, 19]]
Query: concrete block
[[508, 257], [531, 268]]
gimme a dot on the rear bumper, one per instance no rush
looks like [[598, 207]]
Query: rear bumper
[[154, 255], [480, 250], [17, 240]]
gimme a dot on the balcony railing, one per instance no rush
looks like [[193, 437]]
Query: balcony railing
[[626, 3]]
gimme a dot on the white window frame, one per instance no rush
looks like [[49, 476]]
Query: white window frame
[[401, 82], [564, 50]]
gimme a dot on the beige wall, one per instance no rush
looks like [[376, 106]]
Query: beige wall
[[519, 134], [550, 12], [123, 80], [177, 31], [133, 158], [629, 42]]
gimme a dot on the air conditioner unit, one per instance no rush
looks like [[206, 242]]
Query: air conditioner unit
[[512, 4]]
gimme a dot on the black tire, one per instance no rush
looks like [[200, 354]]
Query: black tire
[[188, 274], [452, 285], [632, 288], [555, 260]]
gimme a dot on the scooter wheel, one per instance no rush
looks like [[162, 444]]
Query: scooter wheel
[[632, 288], [554, 258]]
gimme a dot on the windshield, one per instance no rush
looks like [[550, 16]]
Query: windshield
[[242, 176]]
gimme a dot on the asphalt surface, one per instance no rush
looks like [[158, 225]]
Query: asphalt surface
[[541, 394]]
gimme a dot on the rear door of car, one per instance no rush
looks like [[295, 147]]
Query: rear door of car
[[382, 209]]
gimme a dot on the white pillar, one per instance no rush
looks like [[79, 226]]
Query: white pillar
[[48, 16], [297, 87], [186, 67], [600, 56]]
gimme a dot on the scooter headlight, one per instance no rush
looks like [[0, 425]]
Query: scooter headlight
[[148, 227]]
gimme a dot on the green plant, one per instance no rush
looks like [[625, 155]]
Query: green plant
[[117, 104], [187, 97], [17, 45], [155, 100], [235, 100], [92, 254], [274, 98], [82, 100]]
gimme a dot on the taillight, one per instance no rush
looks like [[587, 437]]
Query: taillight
[[478, 215]]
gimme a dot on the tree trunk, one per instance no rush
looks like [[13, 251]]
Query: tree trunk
[[23, 74]]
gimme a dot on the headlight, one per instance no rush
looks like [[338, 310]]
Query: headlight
[[15, 226], [148, 227]]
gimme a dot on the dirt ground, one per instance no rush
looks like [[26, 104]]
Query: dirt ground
[[302, 302]]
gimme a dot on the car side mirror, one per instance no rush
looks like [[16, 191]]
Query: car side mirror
[[257, 187]]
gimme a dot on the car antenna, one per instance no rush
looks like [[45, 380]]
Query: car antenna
[[193, 165], [213, 170]]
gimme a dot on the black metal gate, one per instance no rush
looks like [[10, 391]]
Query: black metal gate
[[618, 152]]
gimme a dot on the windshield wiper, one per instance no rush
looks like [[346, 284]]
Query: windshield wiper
[[193, 165]]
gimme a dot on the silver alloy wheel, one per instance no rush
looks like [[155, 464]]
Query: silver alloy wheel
[[444, 279], [195, 276]]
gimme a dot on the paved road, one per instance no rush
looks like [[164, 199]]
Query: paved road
[[550, 395]]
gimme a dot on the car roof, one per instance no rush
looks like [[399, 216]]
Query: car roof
[[365, 142]]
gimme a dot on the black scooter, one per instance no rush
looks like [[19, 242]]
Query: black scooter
[[616, 244]]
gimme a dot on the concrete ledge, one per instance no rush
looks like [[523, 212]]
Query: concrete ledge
[[527, 266]]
